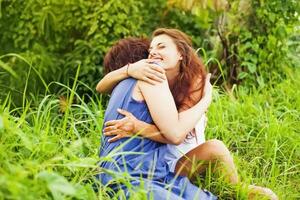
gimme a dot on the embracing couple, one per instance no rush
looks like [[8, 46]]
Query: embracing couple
[[155, 119]]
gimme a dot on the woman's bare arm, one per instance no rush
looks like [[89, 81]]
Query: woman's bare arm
[[141, 70], [130, 125], [150, 131], [110, 80], [173, 125]]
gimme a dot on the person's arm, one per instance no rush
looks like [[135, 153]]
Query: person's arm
[[141, 70], [173, 125], [151, 132], [130, 125], [110, 80]]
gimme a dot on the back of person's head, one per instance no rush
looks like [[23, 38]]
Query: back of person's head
[[191, 67], [124, 51]]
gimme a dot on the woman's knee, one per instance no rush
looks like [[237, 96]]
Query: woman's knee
[[217, 147]]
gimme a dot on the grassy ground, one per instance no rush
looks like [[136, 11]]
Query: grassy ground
[[46, 155], [262, 130]]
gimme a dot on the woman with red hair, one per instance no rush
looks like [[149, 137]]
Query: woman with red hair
[[170, 54]]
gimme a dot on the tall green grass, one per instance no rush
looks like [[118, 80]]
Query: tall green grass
[[262, 129], [45, 154]]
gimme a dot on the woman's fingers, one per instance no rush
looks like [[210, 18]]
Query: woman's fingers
[[117, 137], [124, 112], [109, 128], [149, 61], [147, 71], [157, 68], [112, 132], [159, 75], [157, 71], [120, 123], [111, 123], [151, 76], [150, 81], [115, 123], [154, 77]]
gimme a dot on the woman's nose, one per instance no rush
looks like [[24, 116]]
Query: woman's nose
[[152, 52]]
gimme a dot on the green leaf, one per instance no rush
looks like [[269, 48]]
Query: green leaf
[[1, 123], [281, 31], [93, 28], [8, 69], [250, 66], [26, 141], [242, 75], [57, 184]]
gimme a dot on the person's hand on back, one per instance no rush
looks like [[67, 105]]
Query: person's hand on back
[[146, 70]]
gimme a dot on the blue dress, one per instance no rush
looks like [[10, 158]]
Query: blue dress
[[142, 159]]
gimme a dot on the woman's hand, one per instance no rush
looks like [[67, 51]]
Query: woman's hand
[[147, 71], [207, 92], [120, 128]]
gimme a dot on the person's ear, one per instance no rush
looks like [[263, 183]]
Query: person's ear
[[180, 57]]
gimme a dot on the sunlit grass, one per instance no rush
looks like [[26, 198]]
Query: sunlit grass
[[46, 154], [262, 130]]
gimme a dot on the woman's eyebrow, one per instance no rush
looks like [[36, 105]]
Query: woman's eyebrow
[[151, 47]]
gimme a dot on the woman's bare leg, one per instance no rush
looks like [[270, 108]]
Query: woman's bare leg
[[214, 151]]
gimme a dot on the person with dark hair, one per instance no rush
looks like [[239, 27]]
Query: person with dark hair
[[186, 79], [118, 54], [122, 53]]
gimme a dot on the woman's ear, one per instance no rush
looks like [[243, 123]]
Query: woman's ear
[[180, 57]]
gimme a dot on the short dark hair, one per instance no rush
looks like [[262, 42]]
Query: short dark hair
[[124, 51]]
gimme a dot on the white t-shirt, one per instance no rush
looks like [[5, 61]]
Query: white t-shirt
[[175, 152]]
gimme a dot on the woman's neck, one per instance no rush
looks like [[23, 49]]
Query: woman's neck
[[171, 76]]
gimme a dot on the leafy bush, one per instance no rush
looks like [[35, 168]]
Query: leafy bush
[[57, 36], [262, 41], [249, 38], [245, 40]]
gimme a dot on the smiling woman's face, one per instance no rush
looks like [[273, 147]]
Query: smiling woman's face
[[164, 51]]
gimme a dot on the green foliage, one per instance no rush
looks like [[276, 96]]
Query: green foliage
[[55, 36], [49, 155], [51, 38], [251, 39], [255, 39]]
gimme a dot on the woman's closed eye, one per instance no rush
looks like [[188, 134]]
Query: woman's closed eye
[[161, 46]]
